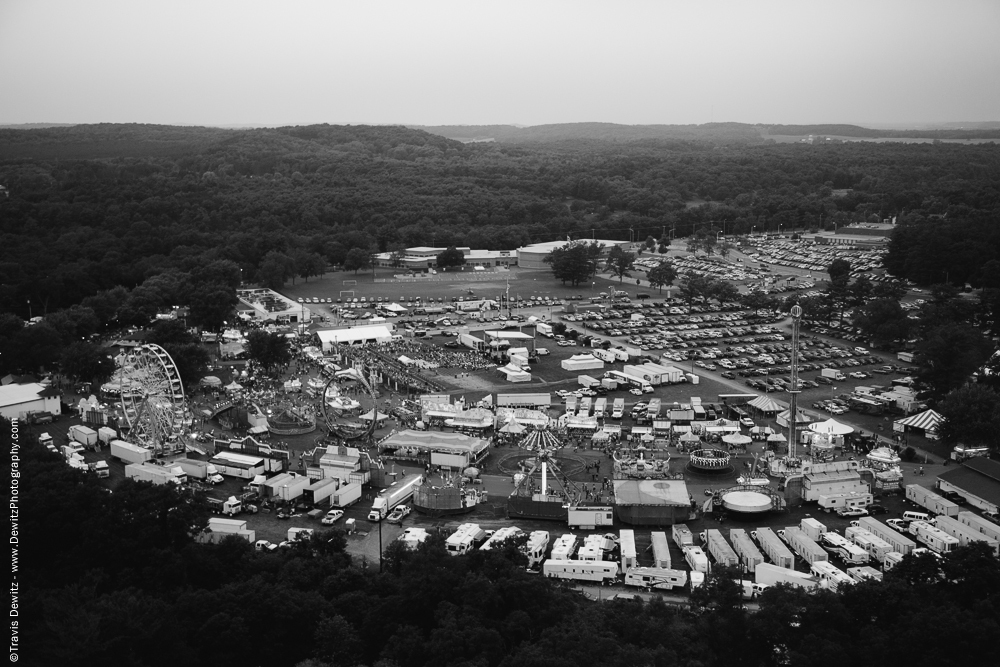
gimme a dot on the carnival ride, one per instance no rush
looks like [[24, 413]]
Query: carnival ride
[[537, 498], [152, 398], [341, 414]]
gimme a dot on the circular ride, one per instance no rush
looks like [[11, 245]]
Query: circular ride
[[152, 397], [345, 417], [711, 461], [747, 500]]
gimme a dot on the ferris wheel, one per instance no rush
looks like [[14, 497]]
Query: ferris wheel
[[342, 414], [152, 396]]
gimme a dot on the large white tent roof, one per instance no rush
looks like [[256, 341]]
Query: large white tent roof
[[508, 334], [376, 332]]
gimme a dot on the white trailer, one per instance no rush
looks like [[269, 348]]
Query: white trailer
[[965, 534], [661, 550], [592, 548], [843, 548], [745, 549], [829, 575], [854, 499], [864, 573], [629, 558], [587, 382], [803, 545], [653, 409], [537, 545], [584, 410], [979, 524], [696, 559], [607, 356], [719, 548], [295, 534], [320, 490], [618, 409], [770, 575], [931, 501], [892, 559], [106, 435], [543, 329], [813, 528], [199, 470], [239, 465], [683, 537], [581, 570], [499, 536], [346, 495], [148, 472], [465, 539], [85, 435], [774, 548], [876, 547], [126, 452], [589, 518], [662, 579], [896, 540], [936, 539], [564, 548]]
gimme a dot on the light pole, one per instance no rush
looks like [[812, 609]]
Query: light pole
[[753, 228], [29, 310]]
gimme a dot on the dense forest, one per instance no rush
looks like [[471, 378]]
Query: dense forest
[[118, 579], [90, 207]]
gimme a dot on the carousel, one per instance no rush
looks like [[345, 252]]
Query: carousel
[[711, 461], [825, 437]]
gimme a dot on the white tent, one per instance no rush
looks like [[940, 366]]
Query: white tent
[[582, 362], [515, 374], [211, 381], [234, 386]]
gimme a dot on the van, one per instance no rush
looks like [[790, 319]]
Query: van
[[917, 516]]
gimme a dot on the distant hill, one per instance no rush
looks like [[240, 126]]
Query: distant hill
[[34, 126], [714, 132], [720, 133]]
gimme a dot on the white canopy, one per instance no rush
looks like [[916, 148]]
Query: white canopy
[[736, 439], [831, 427], [211, 381]]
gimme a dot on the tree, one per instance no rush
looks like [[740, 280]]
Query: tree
[[275, 268], [649, 243], [883, 322], [663, 245], [694, 286], [723, 291], [267, 349], [211, 305], [662, 275], [704, 239], [87, 362], [972, 416], [356, 260], [450, 258], [574, 262], [949, 355], [840, 271], [620, 262]]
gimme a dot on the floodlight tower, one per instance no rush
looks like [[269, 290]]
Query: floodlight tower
[[794, 390]]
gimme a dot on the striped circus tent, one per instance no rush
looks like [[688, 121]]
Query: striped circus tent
[[927, 421]]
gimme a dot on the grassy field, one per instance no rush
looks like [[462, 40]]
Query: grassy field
[[523, 282]]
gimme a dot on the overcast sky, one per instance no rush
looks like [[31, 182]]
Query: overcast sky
[[435, 62]]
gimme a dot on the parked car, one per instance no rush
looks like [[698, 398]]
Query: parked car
[[331, 517], [876, 509], [852, 511]]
